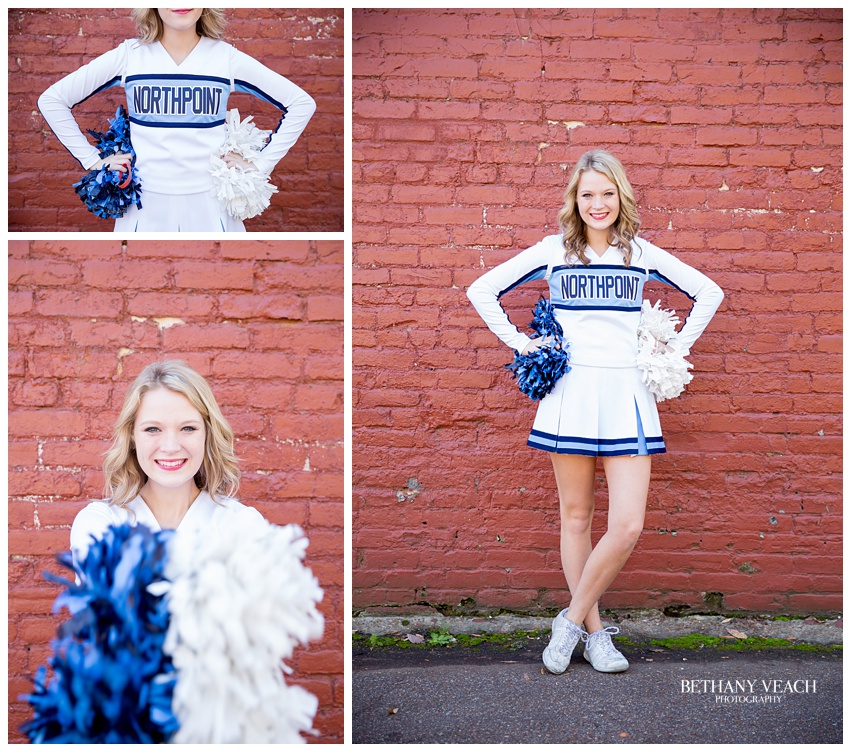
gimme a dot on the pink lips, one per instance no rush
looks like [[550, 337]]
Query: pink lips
[[170, 467]]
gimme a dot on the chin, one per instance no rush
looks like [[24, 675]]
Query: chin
[[172, 482]]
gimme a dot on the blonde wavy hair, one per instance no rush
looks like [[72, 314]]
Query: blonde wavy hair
[[211, 24], [219, 473], [625, 228]]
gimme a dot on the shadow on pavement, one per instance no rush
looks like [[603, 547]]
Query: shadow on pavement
[[492, 694]]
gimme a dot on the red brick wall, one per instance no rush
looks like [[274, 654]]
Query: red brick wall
[[262, 321], [466, 125], [47, 44]]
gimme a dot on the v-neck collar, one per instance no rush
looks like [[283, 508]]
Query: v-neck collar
[[152, 522], [183, 62], [600, 255]]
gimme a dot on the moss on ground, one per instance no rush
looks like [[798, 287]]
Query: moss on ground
[[517, 639], [698, 641], [442, 638]]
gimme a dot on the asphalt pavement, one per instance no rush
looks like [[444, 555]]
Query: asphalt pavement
[[496, 694]]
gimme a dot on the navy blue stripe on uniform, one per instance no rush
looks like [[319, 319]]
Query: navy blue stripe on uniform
[[534, 274], [592, 267], [108, 85], [277, 127], [654, 274], [177, 125], [623, 309], [662, 278], [586, 440], [248, 88], [631, 452], [594, 447], [178, 76]]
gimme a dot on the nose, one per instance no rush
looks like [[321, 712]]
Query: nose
[[169, 442]]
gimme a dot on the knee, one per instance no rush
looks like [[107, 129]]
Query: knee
[[576, 521], [626, 532]]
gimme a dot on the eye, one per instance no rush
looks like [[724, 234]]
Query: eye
[[190, 428], [151, 429]]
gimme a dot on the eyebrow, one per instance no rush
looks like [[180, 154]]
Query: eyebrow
[[188, 422]]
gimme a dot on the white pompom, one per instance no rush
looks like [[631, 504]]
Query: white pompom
[[241, 600], [665, 373], [244, 193]]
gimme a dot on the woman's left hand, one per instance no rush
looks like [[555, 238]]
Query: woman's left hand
[[536, 344], [232, 159]]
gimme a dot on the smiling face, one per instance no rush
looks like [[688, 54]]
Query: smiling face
[[598, 203], [180, 19], [169, 437]]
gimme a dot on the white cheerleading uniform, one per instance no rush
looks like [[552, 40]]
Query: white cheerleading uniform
[[93, 520], [177, 115], [601, 406]]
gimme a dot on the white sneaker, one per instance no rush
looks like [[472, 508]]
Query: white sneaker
[[565, 636], [602, 654]]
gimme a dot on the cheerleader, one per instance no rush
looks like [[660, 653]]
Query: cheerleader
[[596, 269], [171, 464], [177, 77], [210, 663]]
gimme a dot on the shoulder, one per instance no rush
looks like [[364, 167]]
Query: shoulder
[[130, 45], [232, 518], [220, 47], [645, 250], [221, 52], [133, 51], [208, 44], [231, 507], [640, 242], [243, 64], [225, 507], [95, 511], [92, 522]]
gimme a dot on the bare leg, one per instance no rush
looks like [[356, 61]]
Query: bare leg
[[628, 479], [575, 480]]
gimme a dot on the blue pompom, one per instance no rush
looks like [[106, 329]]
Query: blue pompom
[[538, 372], [112, 682], [101, 190]]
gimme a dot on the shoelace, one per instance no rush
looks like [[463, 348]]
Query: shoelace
[[568, 638], [605, 645]]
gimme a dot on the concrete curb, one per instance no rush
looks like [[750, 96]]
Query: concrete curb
[[638, 625]]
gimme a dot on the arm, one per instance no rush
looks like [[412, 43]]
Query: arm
[[485, 292], [296, 105], [56, 103], [707, 296]]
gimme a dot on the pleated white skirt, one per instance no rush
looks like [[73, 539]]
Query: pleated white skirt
[[598, 412], [191, 212]]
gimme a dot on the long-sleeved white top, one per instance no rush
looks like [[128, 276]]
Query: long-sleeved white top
[[177, 112], [599, 305], [93, 520]]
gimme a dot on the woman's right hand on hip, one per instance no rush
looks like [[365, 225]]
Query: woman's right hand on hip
[[120, 162]]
